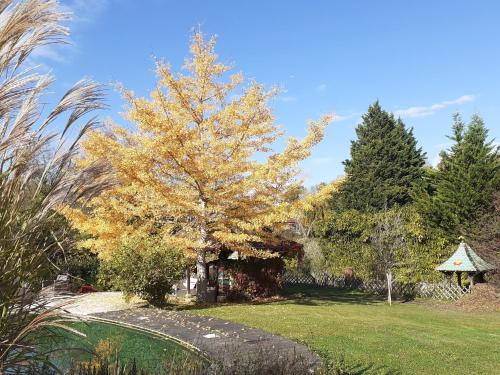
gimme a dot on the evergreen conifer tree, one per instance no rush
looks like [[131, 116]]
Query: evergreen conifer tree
[[468, 178], [385, 163]]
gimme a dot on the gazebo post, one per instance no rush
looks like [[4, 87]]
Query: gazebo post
[[459, 278], [449, 276], [471, 279], [188, 280]]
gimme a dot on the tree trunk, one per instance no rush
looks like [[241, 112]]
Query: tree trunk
[[388, 275], [216, 282], [202, 276], [201, 262], [188, 280]]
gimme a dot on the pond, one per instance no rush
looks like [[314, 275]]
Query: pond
[[111, 342]]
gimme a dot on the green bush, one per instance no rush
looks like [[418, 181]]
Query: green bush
[[144, 268], [107, 276], [81, 264]]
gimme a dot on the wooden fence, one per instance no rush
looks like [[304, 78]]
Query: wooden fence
[[442, 291]]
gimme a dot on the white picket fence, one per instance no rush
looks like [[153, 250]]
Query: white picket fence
[[442, 291]]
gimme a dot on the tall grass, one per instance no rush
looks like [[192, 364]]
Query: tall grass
[[36, 177], [261, 364]]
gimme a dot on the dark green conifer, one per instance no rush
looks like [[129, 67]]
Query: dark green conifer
[[468, 178], [385, 163]]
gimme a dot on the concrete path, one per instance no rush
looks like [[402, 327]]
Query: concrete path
[[217, 339], [90, 303]]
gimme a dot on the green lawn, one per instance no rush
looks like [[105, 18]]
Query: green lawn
[[109, 341], [407, 338]]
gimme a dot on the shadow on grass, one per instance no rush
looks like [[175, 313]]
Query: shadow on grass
[[299, 295], [307, 295]]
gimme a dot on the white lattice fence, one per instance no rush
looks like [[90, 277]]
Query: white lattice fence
[[380, 287], [323, 280], [375, 287], [300, 279], [425, 290], [442, 291]]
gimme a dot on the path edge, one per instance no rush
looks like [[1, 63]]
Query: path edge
[[190, 347]]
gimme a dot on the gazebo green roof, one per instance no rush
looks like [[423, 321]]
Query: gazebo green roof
[[464, 259]]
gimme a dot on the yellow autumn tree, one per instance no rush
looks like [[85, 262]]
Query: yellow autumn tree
[[313, 206], [198, 171]]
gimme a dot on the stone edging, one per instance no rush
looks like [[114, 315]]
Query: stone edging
[[185, 344]]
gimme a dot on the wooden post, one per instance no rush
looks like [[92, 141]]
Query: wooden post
[[471, 279], [449, 276], [388, 275]]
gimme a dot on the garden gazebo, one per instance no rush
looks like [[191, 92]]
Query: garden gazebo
[[465, 260]]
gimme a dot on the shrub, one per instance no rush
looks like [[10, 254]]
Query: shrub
[[255, 278], [145, 269], [82, 265], [107, 276], [86, 288]]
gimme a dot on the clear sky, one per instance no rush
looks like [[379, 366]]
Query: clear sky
[[422, 60]]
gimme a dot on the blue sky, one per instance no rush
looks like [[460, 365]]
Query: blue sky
[[422, 60]]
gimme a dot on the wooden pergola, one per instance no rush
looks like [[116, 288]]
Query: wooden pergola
[[465, 260]]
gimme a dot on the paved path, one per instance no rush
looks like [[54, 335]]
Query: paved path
[[89, 303], [218, 339]]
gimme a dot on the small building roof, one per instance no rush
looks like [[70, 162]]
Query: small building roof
[[464, 259]]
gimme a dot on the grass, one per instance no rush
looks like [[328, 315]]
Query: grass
[[407, 338], [110, 342]]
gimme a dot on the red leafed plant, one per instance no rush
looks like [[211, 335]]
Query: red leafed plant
[[87, 288]]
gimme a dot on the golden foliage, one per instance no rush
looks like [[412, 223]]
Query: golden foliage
[[313, 207], [320, 197], [199, 170]]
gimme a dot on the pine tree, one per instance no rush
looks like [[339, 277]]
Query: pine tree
[[468, 178], [385, 163]]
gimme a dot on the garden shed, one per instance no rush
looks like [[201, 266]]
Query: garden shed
[[234, 275]]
